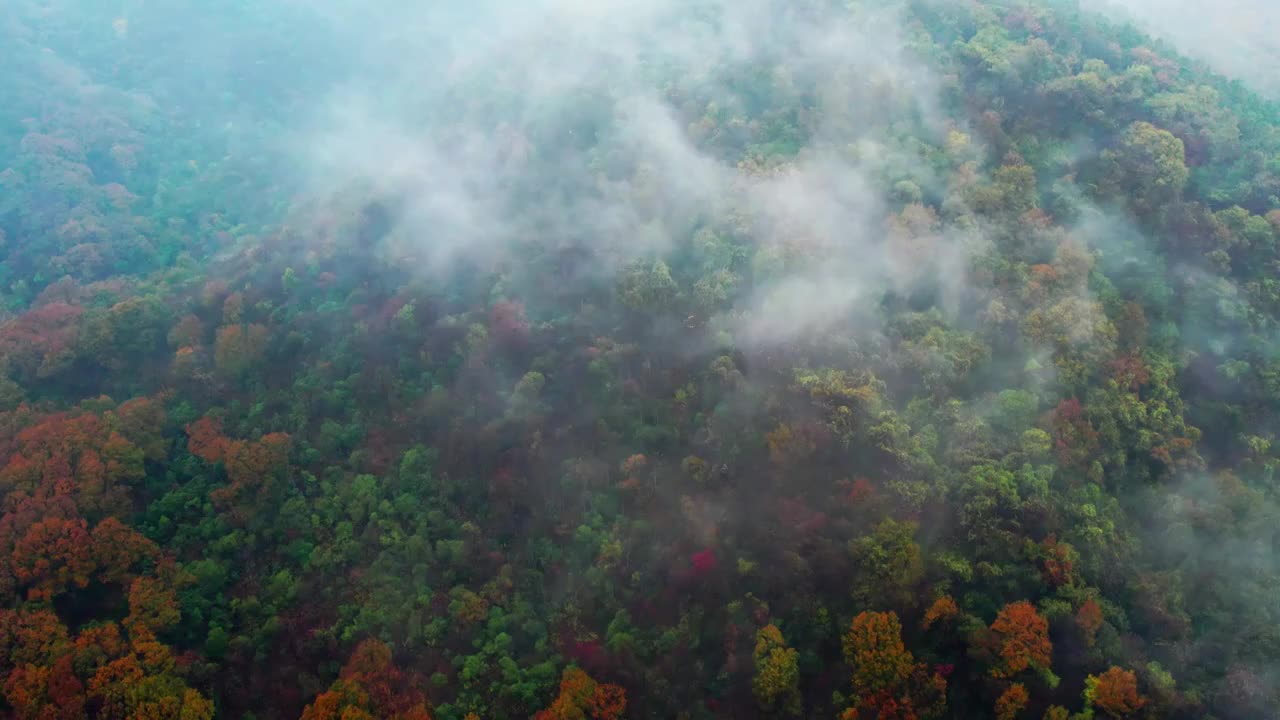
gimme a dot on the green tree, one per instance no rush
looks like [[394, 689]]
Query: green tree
[[1147, 166], [647, 287], [888, 565]]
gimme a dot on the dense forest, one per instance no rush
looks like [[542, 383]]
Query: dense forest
[[572, 359]]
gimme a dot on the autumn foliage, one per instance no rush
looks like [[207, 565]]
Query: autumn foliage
[[873, 648], [85, 456], [102, 672], [40, 342], [1089, 620], [887, 681], [1058, 562], [1076, 440], [253, 466], [582, 698], [238, 347], [1021, 639], [1115, 692], [66, 478], [942, 609], [755, 380], [370, 687], [777, 677], [1012, 701]]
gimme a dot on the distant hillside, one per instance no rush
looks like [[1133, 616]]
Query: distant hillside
[[1239, 38]]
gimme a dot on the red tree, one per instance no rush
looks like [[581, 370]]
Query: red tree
[[1021, 636], [1089, 620], [1075, 439], [53, 555], [1012, 702], [206, 441], [237, 348], [117, 550], [253, 466], [370, 686], [508, 324], [1115, 692], [582, 698], [39, 342], [31, 637]]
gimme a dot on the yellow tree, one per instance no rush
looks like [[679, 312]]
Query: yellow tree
[[776, 684], [887, 680]]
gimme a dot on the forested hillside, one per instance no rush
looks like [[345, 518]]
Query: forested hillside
[[569, 360]]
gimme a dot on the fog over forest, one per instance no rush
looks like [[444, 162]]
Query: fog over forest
[[1239, 38], [604, 359]]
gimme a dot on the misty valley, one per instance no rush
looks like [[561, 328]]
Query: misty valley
[[608, 359]]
